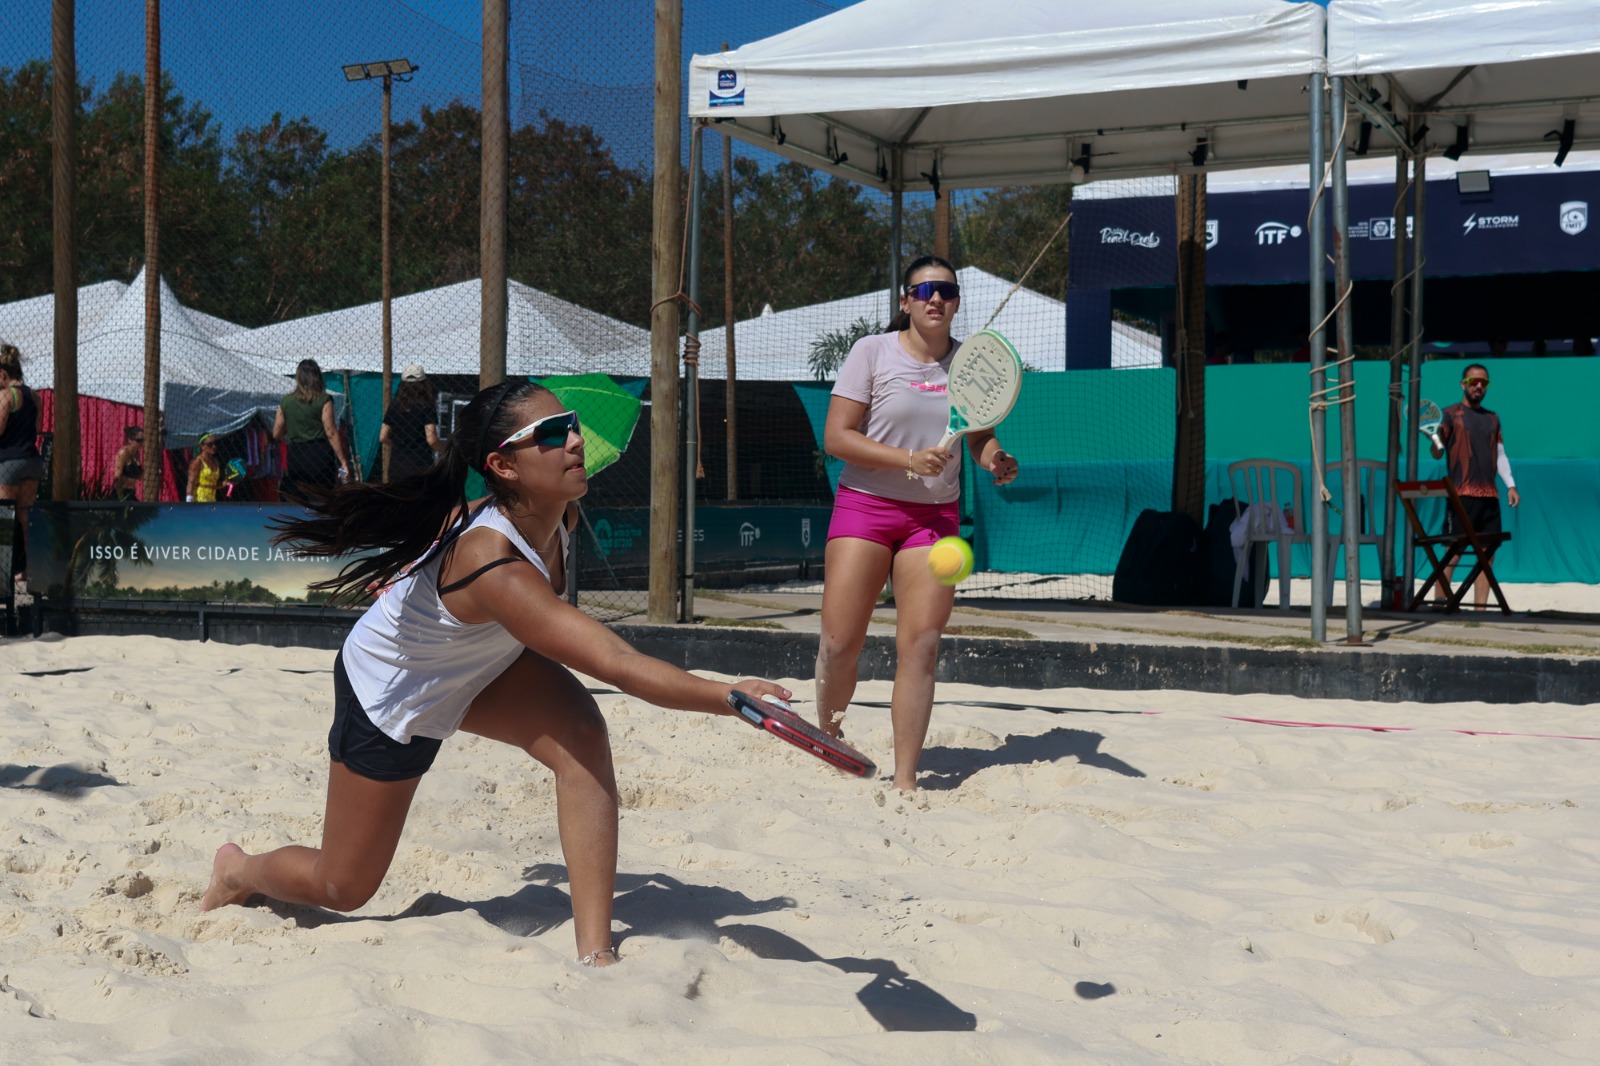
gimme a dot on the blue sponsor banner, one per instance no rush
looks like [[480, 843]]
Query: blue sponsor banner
[[1526, 224]]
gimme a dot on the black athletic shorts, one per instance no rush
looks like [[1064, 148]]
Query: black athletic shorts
[[363, 747], [1482, 511]]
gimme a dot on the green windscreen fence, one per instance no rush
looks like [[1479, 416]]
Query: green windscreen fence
[[1095, 447]]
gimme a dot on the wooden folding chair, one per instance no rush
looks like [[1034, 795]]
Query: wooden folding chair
[[1465, 541]]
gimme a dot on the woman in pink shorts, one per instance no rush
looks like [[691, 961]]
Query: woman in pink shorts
[[899, 493]]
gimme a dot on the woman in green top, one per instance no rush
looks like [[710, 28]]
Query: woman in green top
[[305, 419]]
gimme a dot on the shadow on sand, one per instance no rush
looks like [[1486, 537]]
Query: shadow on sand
[[947, 768], [63, 780], [661, 905]]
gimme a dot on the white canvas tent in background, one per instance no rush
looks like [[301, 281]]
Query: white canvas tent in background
[[776, 345], [31, 324], [889, 93], [204, 388], [1511, 73], [439, 330]]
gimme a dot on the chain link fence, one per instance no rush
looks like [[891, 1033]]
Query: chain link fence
[[273, 136]]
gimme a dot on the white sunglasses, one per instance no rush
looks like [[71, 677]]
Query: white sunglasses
[[549, 430]]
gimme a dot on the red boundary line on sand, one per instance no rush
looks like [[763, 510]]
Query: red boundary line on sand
[[1396, 728]]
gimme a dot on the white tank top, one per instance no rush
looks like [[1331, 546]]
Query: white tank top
[[414, 666]]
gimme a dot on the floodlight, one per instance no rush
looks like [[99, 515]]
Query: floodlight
[[1472, 182], [382, 69]]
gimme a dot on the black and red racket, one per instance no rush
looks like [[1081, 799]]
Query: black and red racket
[[776, 718]]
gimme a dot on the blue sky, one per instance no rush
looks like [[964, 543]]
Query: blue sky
[[582, 60]]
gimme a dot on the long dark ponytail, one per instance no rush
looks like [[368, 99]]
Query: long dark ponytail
[[902, 320], [394, 523]]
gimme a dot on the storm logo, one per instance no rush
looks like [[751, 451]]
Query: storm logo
[[1483, 222], [1574, 217]]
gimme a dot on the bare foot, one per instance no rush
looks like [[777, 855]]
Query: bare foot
[[223, 889], [831, 723]]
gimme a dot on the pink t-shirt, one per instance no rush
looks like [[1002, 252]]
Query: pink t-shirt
[[907, 407]]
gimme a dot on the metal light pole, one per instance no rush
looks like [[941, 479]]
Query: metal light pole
[[387, 70]]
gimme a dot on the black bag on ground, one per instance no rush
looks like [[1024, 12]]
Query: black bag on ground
[[1162, 564], [1218, 591]]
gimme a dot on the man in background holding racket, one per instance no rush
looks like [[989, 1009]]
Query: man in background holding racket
[[1469, 433], [889, 411]]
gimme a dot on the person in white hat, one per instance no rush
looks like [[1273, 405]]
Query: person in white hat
[[410, 431]]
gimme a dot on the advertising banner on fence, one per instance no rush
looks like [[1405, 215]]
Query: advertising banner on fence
[[223, 553], [214, 553]]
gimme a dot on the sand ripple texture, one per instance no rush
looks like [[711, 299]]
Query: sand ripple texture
[[1088, 877]]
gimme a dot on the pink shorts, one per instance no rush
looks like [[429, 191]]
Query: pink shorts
[[892, 523]]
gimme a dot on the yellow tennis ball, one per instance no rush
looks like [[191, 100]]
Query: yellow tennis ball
[[950, 560]]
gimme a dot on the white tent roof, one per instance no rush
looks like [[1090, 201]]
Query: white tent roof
[[439, 330], [203, 386], [776, 345], [1013, 91], [30, 324], [1510, 71]]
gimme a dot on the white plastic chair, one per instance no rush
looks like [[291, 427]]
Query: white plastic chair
[[1268, 492], [1372, 481]]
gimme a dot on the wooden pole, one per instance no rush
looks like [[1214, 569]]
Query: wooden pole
[[152, 248], [388, 275], [665, 244], [493, 194], [64, 464], [941, 225], [1189, 466]]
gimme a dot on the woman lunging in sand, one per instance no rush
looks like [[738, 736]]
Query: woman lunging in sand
[[469, 632]]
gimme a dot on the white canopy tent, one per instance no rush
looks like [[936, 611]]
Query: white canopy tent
[[1022, 91], [30, 324], [1511, 74], [776, 345], [439, 330], [204, 388]]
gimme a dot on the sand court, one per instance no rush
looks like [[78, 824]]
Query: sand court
[[1087, 876]]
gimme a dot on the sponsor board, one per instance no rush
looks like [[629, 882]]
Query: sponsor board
[[1574, 217], [727, 89]]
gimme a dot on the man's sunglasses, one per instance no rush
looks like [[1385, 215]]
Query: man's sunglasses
[[923, 290], [549, 431], [1476, 381]]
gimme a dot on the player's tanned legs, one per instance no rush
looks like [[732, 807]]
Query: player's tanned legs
[[856, 571]]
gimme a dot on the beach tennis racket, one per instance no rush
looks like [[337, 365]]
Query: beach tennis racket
[[1428, 418], [985, 380], [776, 718]]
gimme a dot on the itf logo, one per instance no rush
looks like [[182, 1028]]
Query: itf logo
[[1213, 233], [1275, 232], [1574, 217], [805, 532], [748, 534]]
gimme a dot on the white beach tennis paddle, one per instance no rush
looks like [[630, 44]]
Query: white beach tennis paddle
[[1428, 418], [985, 381]]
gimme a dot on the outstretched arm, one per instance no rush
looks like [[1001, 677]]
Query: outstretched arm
[[520, 598]]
